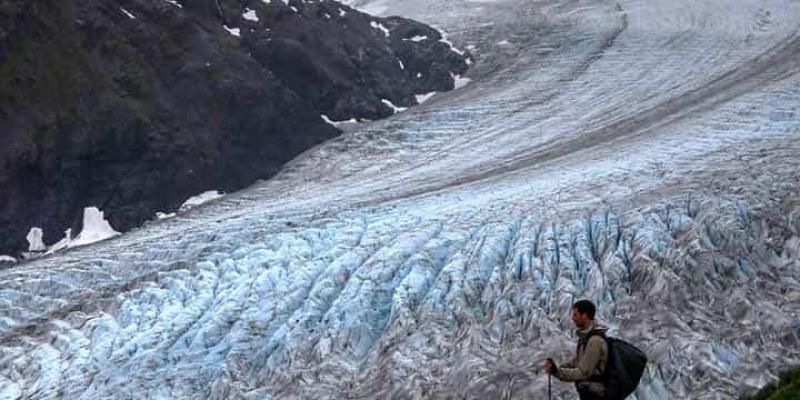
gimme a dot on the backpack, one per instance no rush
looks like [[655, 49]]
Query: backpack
[[624, 367]]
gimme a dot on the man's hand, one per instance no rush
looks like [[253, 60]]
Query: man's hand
[[549, 366]]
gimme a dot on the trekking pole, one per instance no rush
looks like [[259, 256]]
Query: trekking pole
[[549, 389]]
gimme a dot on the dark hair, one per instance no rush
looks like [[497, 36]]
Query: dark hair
[[585, 307]]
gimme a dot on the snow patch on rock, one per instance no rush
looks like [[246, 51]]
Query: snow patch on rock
[[233, 31], [201, 198], [95, 228], [61, 244], [380, 27], [250, 15], [127, 13], [417, 38], [338, 123], [394, 108], [162, 215], [459, 81], [35, 242], [421, 98]]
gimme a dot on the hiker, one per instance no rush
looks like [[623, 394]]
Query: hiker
[[588, 366]]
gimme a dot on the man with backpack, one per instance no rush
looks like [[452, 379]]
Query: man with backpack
[[603, 368]]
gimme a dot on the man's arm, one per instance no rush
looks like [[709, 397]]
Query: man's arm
[[583, 368], [570, 363], [552, 368]]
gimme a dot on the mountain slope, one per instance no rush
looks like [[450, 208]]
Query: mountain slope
[[135, 106]]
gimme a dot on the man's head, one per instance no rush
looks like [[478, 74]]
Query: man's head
[[583, 313]]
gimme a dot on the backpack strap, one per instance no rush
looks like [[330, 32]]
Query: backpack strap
[[584, 342]]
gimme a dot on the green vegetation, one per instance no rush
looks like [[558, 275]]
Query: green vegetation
[[786, 388]]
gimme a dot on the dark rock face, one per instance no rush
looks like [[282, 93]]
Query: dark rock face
[[133, 106], [346, 62]]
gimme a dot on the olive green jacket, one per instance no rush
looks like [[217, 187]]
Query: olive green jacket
[[589, 363]]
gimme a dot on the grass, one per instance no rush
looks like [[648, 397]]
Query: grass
[[786, 388]]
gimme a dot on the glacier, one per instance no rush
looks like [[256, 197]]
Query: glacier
[[642, 154]]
